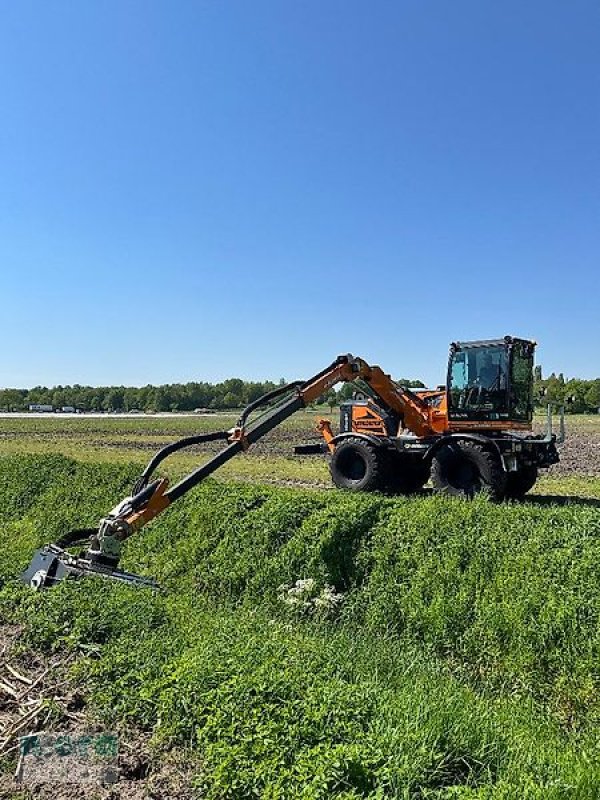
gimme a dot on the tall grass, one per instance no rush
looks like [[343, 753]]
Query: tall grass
[[460, 658]]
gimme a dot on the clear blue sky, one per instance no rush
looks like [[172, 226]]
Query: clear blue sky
[[197, 190]]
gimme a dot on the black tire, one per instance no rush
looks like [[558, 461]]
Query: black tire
[[465, 468], [520, 482], [358, 465], [405, 475]]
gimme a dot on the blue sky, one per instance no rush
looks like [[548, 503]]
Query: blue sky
[[196, 190]]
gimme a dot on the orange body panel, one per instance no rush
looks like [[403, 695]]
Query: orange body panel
[[365, 419], [324, 427]]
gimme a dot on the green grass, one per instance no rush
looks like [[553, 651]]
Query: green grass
[[567, 486], [462, 662]]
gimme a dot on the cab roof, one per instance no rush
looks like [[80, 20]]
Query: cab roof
[[506, 340]]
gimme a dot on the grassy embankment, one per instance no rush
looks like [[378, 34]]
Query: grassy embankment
[[462, 661]]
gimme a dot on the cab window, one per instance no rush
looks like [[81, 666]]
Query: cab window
[[478, 379]]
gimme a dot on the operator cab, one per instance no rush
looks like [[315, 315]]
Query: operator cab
[[491, 381]]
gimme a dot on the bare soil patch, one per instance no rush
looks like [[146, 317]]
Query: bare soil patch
[[38, 696], [579, 455]]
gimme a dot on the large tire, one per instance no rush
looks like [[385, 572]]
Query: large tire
[[358, 465], [520, 482], [405, 475], [464, 468]]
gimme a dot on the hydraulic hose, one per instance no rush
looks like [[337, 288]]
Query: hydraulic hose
[[266, 398], [169, 449]]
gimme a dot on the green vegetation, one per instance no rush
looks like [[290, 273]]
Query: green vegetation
[[576, 395], [440, 649], [232, 393]]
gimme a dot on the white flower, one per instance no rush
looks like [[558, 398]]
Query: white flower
[[302, 596]]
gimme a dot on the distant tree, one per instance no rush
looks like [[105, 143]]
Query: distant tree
[[331, 399], [160, 400], [254, 391], [37, 395], [234, 386], [555, 390], [345, 393], [113, 400], [411, 383], [574, 394], [12, 399], [58, 398], [231, 400], [235, 392], [592, 396]]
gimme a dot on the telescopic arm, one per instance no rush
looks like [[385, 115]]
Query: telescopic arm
[[149, 498]]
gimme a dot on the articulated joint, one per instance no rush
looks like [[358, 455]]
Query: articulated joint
[[239, 435], [105, 545]]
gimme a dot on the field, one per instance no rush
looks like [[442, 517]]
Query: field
[[134, 439], [432, 649]]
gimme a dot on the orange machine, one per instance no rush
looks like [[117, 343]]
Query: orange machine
[[473, 435]]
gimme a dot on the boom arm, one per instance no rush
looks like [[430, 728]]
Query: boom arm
[[414, 411], [148, 499]]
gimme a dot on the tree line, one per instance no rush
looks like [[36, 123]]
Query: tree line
[[578, 396], [229, 394]]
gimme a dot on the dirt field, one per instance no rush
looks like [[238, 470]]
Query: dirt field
[[271, 460], [580, 453]]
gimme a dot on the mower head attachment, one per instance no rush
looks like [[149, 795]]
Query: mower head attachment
[[51, 565]]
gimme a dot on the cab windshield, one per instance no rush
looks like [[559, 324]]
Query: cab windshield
[[478, 380]]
